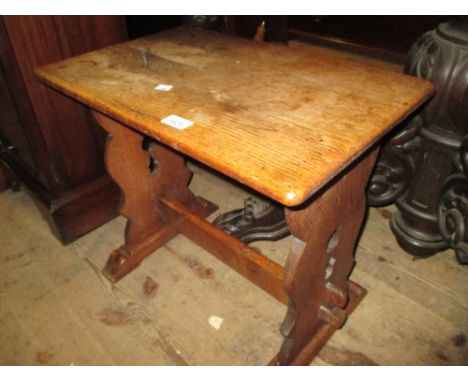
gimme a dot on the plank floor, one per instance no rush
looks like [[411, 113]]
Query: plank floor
[[57, 309]]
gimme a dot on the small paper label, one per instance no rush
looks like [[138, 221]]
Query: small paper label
[[177, 122], [163, 87], [215, 322]]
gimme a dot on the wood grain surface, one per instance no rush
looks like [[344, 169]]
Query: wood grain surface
[[282, 120]]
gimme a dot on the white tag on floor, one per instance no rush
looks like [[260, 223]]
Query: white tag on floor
[[215, 322], [177, 122]]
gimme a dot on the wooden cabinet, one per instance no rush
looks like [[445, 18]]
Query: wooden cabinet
[[47, 141], [386, 37]]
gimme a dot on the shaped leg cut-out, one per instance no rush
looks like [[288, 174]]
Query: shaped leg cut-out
[[128, 163]]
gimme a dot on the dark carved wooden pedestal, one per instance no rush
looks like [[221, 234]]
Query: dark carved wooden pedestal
[[423, 168]]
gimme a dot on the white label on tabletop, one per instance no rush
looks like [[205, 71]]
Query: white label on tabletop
[[177, 122], [163, 87]]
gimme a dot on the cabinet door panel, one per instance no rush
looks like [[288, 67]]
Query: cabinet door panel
[[13, 139], [73, 141]]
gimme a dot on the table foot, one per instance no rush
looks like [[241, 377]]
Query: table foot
[[128, 257], [313, 347]]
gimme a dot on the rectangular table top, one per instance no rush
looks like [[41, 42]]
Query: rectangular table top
[[282, 120]]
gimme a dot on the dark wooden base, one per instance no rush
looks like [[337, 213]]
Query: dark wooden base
[[81, 210], [419, 237], [85, 208], [73, 213]]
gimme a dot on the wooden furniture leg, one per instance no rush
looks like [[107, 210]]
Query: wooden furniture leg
[[144, 175], [320, 262]]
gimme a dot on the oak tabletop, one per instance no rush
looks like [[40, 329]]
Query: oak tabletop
[[282, 120]]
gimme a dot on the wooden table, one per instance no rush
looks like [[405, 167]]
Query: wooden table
[[299, 127]]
